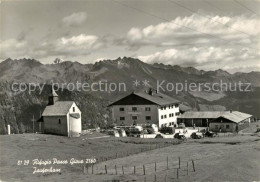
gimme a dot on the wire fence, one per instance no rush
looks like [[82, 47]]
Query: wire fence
[[165, 170]]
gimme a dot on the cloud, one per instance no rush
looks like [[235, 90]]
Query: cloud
[[70, 46], [13, 48], [168, 34], [242, 68], [78, 45], [204, 57], [75, 19]]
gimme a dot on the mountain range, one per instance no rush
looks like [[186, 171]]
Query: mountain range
[[17, 108]]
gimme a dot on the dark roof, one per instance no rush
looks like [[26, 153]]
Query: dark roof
[[234, 116], [184, 108], [60, 108], [143, 98]]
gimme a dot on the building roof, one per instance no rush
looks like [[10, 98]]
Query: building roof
[[234, 116], [184, 108], [155, 98], [60, 108], [158, 98], [202, 114], [53, 93]]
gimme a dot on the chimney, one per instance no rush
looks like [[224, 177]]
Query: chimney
[[150, 92], [230, 110]]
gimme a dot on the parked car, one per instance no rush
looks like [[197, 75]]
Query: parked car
[[196, 135], [179, 136], [122, 132], [210, 134], [167, 130], [149, 129], [158, 136], [113, 133], [181, 125], [133, 132]]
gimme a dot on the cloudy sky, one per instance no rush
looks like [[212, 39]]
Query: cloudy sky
[[206, 34]]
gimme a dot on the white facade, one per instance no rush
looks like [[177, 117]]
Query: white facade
[[168, 115], [144, 108], [159, 115], [68, 124], [74, 124]]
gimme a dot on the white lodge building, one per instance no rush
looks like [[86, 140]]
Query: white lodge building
[[146, 108], [61, 117]]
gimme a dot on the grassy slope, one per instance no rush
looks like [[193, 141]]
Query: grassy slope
[[33, 146], [217, 159]]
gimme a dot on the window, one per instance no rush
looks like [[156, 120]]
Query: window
[[134, 108], [147, 109], [227, 126], [134, 117], [161, 116], [59, 121], [122, 118], [177, 114], [170, 115], [73, 109], [169, 107], [164, 107], [165, 116], [176, 105], [148, 117], [121, 109]]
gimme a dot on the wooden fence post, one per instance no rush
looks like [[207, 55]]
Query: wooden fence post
[[123, 169], [116, 155], [144, 169], [179, 162], [193, 165], [155, 166], [167, 163], [106, 168], [134, 169], [187, 168]]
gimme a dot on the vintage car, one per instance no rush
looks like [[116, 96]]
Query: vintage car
[[196, 135], [210, 134], [167, 130], [179, 136]]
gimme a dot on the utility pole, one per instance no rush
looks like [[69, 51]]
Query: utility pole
[[40, 123], [33, 123]]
